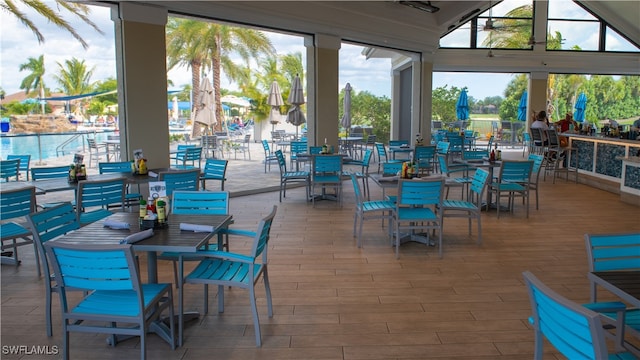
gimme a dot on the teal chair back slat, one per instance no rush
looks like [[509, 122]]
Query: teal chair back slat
[[265, 146], [382, 152], [537, 162], [328, 164], [298, 147], [391, 168], [9, 169], [114, 167], [474, 154], [420, 192], [442, 147], [516, 171], [479, 181], [200, 202], [94, 267], [261, 240], [25, 161], [180, 180], [17, 203], [52, 222], [610, 252], [315, 150], [357, 191], [55, 172], [214, 169], [572, 329], [282, 162], [100, 193]]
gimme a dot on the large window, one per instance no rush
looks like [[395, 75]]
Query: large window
[[507, 25], [579, 30]]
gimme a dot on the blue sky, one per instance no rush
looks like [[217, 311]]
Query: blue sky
[[18, 44]]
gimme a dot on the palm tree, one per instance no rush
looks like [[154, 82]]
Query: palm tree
[[53, 16], [36, 78], [211, 46], [74, 78], [514, 31]]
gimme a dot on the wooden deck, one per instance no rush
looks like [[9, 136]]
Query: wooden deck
[[335, 301]]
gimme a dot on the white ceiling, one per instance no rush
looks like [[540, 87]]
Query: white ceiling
[[380, 23], [388, 24]]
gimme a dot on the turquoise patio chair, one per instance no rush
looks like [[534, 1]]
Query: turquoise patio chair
[[287, 177], [512, 182], [122, 167], [180, 180], [418, 207], [382, 156], [188, 158], [214, 169], [14, 205], [269, 156], [10, 169], [367, 210], [424, 157], [95, 197], [327, 173], [25, 162], [575, 331], [221, 269], [614, 252], [115, 297], [46, 225], [472, 208]]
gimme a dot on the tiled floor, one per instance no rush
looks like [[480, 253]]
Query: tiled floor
[[335, 301]]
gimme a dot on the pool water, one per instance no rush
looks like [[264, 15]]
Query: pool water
[[28, 144]]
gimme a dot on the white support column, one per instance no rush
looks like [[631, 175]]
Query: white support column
[[142, 86], [394, 131], [322, 74], [424, 93], [537, 97]]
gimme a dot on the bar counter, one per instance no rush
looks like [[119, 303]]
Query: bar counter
[[609, 164]]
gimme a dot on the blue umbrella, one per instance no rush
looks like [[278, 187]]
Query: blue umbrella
[[522, 107], [581, 107], [462, 106]]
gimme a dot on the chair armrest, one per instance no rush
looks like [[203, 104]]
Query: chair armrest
[[606, 306], [220, 255], [246, 233]]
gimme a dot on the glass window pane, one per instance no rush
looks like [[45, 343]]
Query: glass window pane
[[562, 9], [615, 42], [459, 38], [582, 35]]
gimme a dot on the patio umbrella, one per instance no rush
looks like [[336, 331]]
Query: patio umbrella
[[462, 106], [204, 108], [175, 110], [522, 107], [581, 107], [295, 116], [346, 116], [275, 101]]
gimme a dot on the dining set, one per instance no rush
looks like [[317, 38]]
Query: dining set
[[100, 257]]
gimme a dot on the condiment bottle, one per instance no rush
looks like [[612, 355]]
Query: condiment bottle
[[142, 167], [151, 207], [492, 157], [160, 208], [133, 167], [72, 173], [143, 208]]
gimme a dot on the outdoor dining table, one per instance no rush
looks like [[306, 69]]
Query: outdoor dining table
[[347, 144], [170, 239], [624, 283], [490, 166], [113, 148], [401, 150]]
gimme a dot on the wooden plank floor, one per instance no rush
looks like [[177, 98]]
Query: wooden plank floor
[[335, 301]]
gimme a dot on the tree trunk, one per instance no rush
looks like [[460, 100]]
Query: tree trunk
[[217, 68]]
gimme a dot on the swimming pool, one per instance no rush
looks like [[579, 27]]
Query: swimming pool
[[28, 144]]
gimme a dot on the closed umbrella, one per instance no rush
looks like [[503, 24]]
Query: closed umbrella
[[175, 110], [204, 108], [295, 116], [581, 107], [462, 106], [522, 107], [346, 116], [275, 101]]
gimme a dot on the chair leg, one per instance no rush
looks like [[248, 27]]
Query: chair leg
[[254, 312]]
